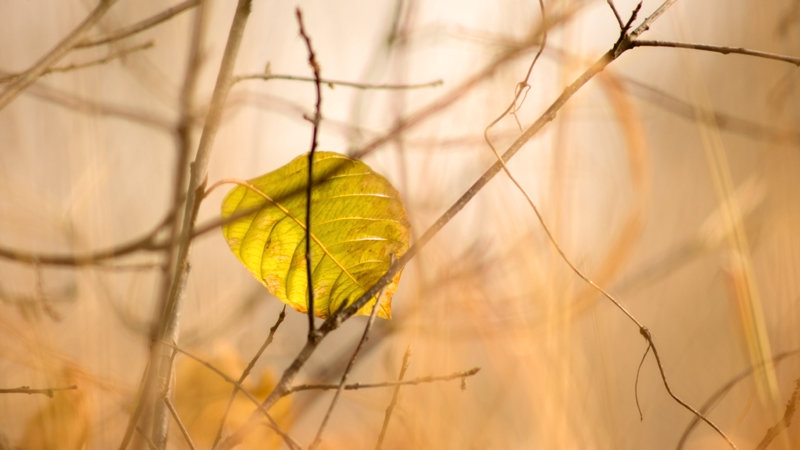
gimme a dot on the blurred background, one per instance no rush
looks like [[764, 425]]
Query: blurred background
[[670, 179]]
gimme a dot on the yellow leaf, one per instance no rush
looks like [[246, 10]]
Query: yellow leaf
[[358, 224]]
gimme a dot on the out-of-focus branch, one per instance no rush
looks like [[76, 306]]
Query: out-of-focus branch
[[53, 56], [138, 27], [121, 53]]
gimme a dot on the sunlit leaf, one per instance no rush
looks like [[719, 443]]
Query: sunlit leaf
[[358, 225]]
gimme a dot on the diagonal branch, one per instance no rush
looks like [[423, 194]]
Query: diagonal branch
[[26, 78]]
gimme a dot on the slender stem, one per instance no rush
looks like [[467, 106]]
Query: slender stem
[[719, 49], [312, 61]]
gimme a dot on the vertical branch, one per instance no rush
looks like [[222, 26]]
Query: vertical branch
[[343, 380], [166, 331], [312, 61]]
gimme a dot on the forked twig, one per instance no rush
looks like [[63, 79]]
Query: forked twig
[[246, 371], [343, 380], [238, 386]]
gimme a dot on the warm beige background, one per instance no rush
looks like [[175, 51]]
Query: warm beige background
[[623, 182]]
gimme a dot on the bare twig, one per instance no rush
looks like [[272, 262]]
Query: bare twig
[[179, 422], [138, 27], [331, 83], [121, 53], [53, 56], [343, 380], [29, 390], [246, 371], [395, 395], [312, 61], [719, 49], [356, 386], [144, 243]]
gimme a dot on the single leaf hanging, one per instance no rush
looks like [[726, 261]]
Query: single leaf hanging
[[358, 224]]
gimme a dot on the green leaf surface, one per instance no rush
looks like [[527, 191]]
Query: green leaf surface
[[358, 224]]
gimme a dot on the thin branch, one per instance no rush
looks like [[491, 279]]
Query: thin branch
[[145, 243], [331, 83], [348, 368], [616, 13], [179, 422], [636, 382], [238, 386], [719, 49], [53, 56], [785, 421], [647, 335], [98, 108], [725, 389], [29, 390], [312, 61], [246, 372], [414, 382], [121, 53], [139, 26], [645, 25], [395, 395]]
